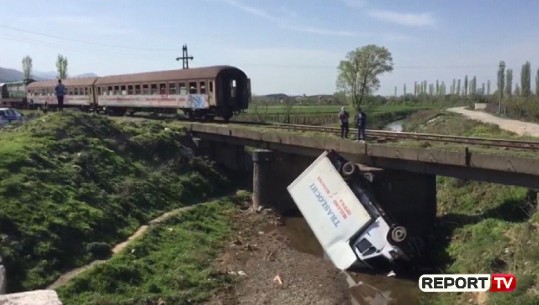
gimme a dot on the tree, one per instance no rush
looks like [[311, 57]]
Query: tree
[[358, 74], [27, 67], [509, 82], [466, 85], [537, 83], [525, 77], [501, 76], [473, 86], [61, 66]]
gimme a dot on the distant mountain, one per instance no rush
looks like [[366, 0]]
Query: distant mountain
[[12, 75], [87, 75], [44, 75]]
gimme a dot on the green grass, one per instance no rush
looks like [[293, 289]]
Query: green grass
[[172, 262], [482, 227], [72, 183]]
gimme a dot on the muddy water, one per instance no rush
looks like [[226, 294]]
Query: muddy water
[[395, 126], [365, 289]]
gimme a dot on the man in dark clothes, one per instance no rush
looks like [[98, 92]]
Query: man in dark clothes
[[60, 92], [361, 121], [343, 117]]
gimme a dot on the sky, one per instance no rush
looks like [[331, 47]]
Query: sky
[[284, 46]]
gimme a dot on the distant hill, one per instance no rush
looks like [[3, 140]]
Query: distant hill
[[12, 75]]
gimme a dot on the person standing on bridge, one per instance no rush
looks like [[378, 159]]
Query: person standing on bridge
[[361, 122], [60, 92], [343, 117]]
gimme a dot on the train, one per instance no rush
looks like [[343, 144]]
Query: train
[[13, 94], [200, 93]]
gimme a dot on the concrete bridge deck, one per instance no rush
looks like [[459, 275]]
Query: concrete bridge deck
[[466, 164]]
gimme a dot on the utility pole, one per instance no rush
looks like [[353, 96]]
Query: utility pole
[[185, 58]]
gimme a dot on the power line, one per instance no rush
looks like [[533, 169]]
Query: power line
[[82, 41]]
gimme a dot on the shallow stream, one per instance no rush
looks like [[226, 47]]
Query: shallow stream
[[365, 289]]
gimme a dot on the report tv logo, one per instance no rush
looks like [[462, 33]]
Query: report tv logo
[[500, 282]]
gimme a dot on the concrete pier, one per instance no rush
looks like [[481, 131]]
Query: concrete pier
[[261, 162]]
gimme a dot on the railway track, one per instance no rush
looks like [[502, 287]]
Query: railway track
[[373, 134], [378, 134]]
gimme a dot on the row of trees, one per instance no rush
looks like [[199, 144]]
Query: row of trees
[[458, 88], [61, 67], [505, 81]]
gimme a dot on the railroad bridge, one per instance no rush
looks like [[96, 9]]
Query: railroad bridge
[[405, 177]]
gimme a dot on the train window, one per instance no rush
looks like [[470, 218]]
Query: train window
[[162, 88], [85, 90], [202, 87], [171, 88], [137, 89], [154, 89], [145, 89], [233, 88], [192, 88], [123, 90], [99, 91], [182, 89], [117, 90], [130, 89], [76, 91], [70, 91], [211, 86], [111, 92]]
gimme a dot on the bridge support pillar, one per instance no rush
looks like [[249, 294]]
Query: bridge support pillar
[[410, 197], [229, 155], [272, 173], [261, 163]]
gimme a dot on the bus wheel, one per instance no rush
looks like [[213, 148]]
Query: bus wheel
[[397, 234], [348, 169]]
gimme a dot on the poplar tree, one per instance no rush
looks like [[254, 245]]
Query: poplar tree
[[537, 83], [525, 79], [466, 85], [509, 82]]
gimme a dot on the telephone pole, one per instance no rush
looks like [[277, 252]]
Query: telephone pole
[[185, 58]]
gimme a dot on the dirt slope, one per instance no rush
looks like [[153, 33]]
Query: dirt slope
[[518, 127]]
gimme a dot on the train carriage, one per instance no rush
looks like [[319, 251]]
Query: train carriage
[[198, 92], [79, 93], [13, 94]]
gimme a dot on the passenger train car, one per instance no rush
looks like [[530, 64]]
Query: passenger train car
[[13, 94], [208, 92]]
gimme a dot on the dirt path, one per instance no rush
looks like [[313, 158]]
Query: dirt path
[[518, 127], [66, 277]]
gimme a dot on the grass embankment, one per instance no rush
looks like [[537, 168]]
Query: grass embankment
[[448, 123], [483, 227], [171, 264], [75, 184]]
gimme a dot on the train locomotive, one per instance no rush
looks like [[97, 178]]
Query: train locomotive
[[201, 93], [14, 94]]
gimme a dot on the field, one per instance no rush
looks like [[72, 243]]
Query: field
[[482, 227]]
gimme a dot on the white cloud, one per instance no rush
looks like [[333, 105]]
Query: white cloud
[[355, 3], [409, 19], [287, 23]]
